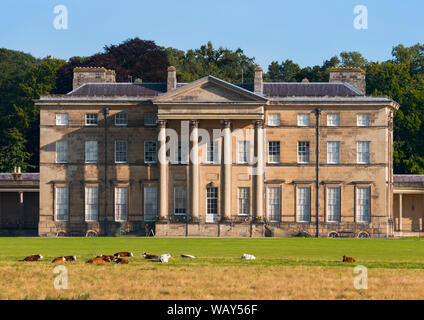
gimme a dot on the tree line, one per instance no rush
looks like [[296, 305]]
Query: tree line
[[23, 78]]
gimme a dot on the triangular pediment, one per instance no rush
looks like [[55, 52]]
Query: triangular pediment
[[210, 89]]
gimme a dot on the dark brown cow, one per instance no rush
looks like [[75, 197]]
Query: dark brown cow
[[120, 260], [149, 256], [70, 258], [123, 254], [34, 257], [348, 259]]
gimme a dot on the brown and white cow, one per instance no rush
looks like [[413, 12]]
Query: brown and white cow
[[70, 258], [120, 260], [123, 254], [149, 256], [98, 260], [64, 259], [34, 257]]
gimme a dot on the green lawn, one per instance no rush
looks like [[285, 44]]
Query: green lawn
[[405, 253]]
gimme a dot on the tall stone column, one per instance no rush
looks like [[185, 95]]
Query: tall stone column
[[194, 168], [163, 170], [400, 212], [260, 167], [227, 166], [21, 210]]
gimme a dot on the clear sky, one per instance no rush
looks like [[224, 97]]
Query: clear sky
[[306, 31]]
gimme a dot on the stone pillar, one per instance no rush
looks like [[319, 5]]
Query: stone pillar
[[171, 82], [21, 210], [163, 170], [227, 166], [400, 212], [258, 84], [194, 168], [259, 174]]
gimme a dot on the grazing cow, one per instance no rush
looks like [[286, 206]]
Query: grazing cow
[[188, 256], [164, 258], [246, 256], [98, 260], [348, 259], [149, 256], [123, 254], [120, 260], [34, 257], [70, 258]]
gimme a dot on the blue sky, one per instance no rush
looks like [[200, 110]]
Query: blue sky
[[306, 31]]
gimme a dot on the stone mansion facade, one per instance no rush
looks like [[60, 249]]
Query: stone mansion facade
[[213, 158]]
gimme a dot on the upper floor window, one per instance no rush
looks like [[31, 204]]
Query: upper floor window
[[121, 151], [274, 119], [121, 119], [274, 151], [333, 119], [333, 152], [303, 152], [363, 120], [363, 152], [303, 119], [61, 151], [150, 154], [150, 119], [62, 119], [91, 119], [91, 151], [243, 154], [212, 152], [62, 203]]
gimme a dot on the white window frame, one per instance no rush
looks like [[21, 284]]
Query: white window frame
[[333, 152], [212, 195], [303, 204], [150, 152], [212, 148], [62, 153], [301, 154], [121, 148], [363, 204], [303, 119], [91, 151], [243, 152], [333, 120], [121, 119], [243, 203], [363, 120], [90, 122], [150, 205], [274, 119], [121, 204], [333, 206], [91, 205], [274, 204], [363, 152], [150, 119], [62, 119], [180, 193], [274, 152], [62, 203]]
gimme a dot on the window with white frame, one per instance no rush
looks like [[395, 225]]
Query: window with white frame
[[333, 119], [274, 119], [62, 203], [150, 119], [150, 154], [243, 151], [180, 200], [303, 119], [61, 151], [212, 200], [91, 119], [303, 199], [243, 201], [121, 151], [333, 152], [62, 119], [121, 204], [274, 151], [274, 203], [212, 152], [363, 120], [91, 203], [91, 151], [333, 204], [121, 119], [150, 203], [363, 152], [303, 152], [363, 197]]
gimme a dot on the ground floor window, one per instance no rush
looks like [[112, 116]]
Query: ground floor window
[[180, 200], [212, 200], [333, 204], [244, 201], [150, 203], [62, 204], [274, 203], [121, 204], [303, 198], [91, 203], [363, 204]]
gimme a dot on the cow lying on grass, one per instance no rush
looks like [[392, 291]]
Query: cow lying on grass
[[149, 256], [120, 260], [34, 257], [188, 256], [348, 259], [64, 259], [246, 256], [123, 254], [164, 258]]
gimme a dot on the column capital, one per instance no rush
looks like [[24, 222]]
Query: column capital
[[226, 123], [162, 123], [259, 123], [194, 123]]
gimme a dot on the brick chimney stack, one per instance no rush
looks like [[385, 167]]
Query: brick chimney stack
[[258, 81], [353, 76], [90, 75], [171, 83]]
